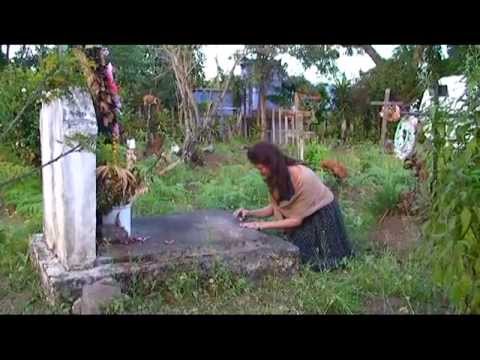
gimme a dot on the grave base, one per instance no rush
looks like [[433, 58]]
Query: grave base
[[181, 242]]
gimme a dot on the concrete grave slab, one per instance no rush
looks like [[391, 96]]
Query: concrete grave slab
[[176, 242]]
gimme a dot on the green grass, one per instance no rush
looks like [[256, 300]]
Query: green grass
[[374, 183], [169, 193], [338, 292], [20, 290], [25, 201], [234, 186]]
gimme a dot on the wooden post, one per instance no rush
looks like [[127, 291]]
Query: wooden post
[[273, 126], [296, 141], [286, 129], [296, 101], [238, 127], [280, 137], [292, 130], [245, 125], [263, 116], [344, 130], [384, 119], [242, 122], [295, 133], [301, 139], [147, 138]]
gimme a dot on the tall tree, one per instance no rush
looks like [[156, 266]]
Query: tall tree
[[185, 62], [3, 57], [141, 72]]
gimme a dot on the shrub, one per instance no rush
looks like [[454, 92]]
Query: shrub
[[315, 153]]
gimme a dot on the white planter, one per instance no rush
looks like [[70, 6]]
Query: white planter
[[124, 216]]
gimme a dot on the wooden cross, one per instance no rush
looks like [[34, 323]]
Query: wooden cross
[[386, 102]]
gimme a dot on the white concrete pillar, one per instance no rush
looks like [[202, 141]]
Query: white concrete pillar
[[69, 184]]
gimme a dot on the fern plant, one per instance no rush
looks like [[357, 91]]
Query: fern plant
[[116, 185]]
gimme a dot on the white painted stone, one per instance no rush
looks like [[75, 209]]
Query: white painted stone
[[124, 214], [69, 184], [131, 143]]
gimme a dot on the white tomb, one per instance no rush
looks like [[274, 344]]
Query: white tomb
[[69, 184]]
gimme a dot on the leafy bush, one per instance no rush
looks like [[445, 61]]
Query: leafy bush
[[315, 153], [25, 195], [389, 183], [453, 227], [21, 85]]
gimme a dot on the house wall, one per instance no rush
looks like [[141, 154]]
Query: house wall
[[207, 95]]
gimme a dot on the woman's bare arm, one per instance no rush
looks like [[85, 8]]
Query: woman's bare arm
[[264, 212], [279, 224]]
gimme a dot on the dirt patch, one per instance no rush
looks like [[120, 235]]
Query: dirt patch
[[398, 233], [386, 306], [12, 302], [353, 194], [214, 161]]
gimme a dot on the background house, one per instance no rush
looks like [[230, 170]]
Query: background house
[[209, 95], [250, 96]]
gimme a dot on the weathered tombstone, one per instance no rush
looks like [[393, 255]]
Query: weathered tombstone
[[69, 186], [405, 137]]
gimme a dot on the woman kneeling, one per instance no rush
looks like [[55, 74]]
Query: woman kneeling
[[302, 205]]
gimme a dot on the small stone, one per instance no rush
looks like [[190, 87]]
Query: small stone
[[77, 307], [97, 296], [208, 149]]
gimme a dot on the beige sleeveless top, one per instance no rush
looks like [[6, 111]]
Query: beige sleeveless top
[[310, 195]]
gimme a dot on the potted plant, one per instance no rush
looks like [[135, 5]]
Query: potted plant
[[117, 187]]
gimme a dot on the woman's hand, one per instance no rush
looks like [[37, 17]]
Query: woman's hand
[[252, 225], [279, 224], [241, 213]]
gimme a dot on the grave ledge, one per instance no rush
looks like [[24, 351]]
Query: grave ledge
[[62, 285]]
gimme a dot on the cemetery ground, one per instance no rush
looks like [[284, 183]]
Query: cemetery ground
[[389, 274]]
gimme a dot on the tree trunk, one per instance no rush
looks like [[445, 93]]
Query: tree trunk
[[182, 63], [8, 53], [383, 133], [377, 59], [23, 51], [374, 55], [180, 60], [213, 109], [417, 55]]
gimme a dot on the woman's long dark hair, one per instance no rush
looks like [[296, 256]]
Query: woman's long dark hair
[[269, 155]]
